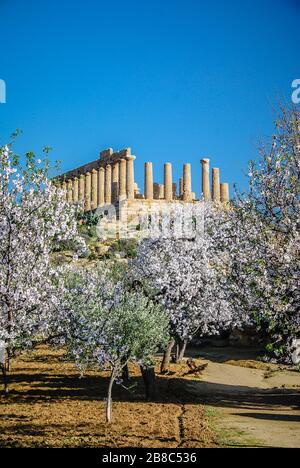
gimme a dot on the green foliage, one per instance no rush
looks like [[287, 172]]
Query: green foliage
[[109, 324], [297, 368], [127, 246]]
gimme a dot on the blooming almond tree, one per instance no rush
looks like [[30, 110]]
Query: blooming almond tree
[[34, 219], [264, 239], [181, 270], [110, 326]]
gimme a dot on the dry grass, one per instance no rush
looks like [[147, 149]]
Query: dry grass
[[51, 406]]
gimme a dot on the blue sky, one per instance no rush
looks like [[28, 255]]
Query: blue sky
[[177, 80]]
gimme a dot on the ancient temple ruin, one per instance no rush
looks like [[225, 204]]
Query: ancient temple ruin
[[110, 181]]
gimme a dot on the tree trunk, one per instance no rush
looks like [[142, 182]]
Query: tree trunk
[[167, 356], [148, 374], [182, 348], [5, 380], [109, 399], [8, 365], [125, 373], [176, 356]]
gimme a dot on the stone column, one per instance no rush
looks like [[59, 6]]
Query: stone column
[[161, 192], [156, 191], [224, 188], [122, 179], [148, 181], [82, 188], [168, 183], [88, 189], [216, 194], [187, 182], [101, 186], [130, 177], [75, 190], [70, 191], [174, 190], [65, 189], [94, 189], [181, 187], [205, 179], [115, 182], [108, 184]]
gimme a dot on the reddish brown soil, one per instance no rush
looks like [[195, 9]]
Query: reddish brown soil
[[51, 406]]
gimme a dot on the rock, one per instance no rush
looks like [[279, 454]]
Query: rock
[[101, 249]]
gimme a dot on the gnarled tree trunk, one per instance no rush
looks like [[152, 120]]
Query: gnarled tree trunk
[[148, 374], [167, 356], [182, 349], [125, 373]]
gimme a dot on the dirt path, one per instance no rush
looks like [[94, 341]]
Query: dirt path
[[250, 406]]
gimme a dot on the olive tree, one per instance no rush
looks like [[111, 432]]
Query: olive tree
[[109, 325]]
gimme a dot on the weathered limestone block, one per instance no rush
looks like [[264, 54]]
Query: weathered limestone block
[[106, 155]]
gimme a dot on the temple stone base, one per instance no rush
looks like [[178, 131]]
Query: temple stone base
[[132, 217]]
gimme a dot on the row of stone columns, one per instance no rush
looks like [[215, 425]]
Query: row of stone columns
[[106, 185], [220, 191], [115, 182]]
